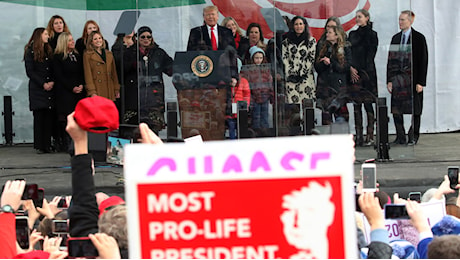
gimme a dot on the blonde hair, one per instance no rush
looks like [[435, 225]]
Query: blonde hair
[[61, 46], [210, 8], [229, 18], [339, 52]]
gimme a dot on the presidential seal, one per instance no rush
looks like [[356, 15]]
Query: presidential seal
[[202, 66]]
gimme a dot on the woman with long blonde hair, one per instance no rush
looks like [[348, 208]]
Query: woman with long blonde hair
[[70, 81], [241, 42], [333, 68]]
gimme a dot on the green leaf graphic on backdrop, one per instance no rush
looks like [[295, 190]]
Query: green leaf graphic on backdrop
[[101, 5]]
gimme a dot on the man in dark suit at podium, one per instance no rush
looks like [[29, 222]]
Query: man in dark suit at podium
[[210, 36], [213, 37], [217, 44]]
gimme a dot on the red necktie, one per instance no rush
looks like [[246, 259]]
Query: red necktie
[[213, 40]]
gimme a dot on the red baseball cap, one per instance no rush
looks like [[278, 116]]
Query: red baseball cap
[[97, 114], [110, 202]]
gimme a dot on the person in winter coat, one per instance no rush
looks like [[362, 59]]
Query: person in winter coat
[[56, 26], [406, 77], [37, 59], [100, 70], [298, 50], [261, 85], [363, 90], [332, 21], [144, 86], [90, 26], [70, 81], [241, 42], [333, 67], [240, 92]]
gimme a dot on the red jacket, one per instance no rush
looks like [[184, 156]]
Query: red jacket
[[241, 92], [7, 235]]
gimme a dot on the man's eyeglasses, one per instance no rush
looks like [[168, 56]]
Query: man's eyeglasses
[[146, 37]]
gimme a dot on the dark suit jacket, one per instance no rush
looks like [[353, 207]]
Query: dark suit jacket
[[419, 65], [419, 56], [199, 39]]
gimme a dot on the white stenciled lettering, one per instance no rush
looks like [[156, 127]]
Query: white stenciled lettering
[[219, 252], [188, 229], [179, 202]]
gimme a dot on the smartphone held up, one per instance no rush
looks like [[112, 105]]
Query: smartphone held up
[[396, 211], [81, 247], [22, 232], [452, 173], [369, 177], [415, 196]]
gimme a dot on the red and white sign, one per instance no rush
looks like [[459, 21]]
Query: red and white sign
[[266, 198]]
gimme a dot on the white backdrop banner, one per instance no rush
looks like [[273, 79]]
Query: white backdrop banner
[[171, 22]]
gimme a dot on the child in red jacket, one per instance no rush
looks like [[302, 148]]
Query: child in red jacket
[[240, 92]]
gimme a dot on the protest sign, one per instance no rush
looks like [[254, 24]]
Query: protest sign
[[402, 229], [264, 198]]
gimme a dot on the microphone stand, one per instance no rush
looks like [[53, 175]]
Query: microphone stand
[[122, 78]]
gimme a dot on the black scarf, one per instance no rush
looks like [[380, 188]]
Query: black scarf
[[292, 36]]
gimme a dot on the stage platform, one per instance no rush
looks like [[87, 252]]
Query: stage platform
[[416, 171]]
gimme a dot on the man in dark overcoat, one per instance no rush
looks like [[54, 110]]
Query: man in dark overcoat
[[406, 76]]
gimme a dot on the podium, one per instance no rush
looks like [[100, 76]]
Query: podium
[[201, 79]]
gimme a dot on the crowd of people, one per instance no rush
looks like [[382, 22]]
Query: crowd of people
[[86, 214], [61, 72], [422, 239]]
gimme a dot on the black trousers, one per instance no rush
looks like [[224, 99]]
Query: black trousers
[[43, 128], [414, 130]]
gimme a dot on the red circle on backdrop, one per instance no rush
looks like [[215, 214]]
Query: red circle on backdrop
[[248, 11]]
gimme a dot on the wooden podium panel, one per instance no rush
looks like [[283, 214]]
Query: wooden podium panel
[[202, 111], [201, 79]]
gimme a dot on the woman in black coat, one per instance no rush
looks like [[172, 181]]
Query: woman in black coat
[[37, 58], [363, 89], [333, 68], [144, 65], [127, 46], [70, 81]]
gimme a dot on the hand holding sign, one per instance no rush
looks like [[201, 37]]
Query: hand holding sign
[[370, 206], [418, 219]]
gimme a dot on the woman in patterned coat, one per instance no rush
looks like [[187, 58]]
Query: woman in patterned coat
[[298, 50]]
